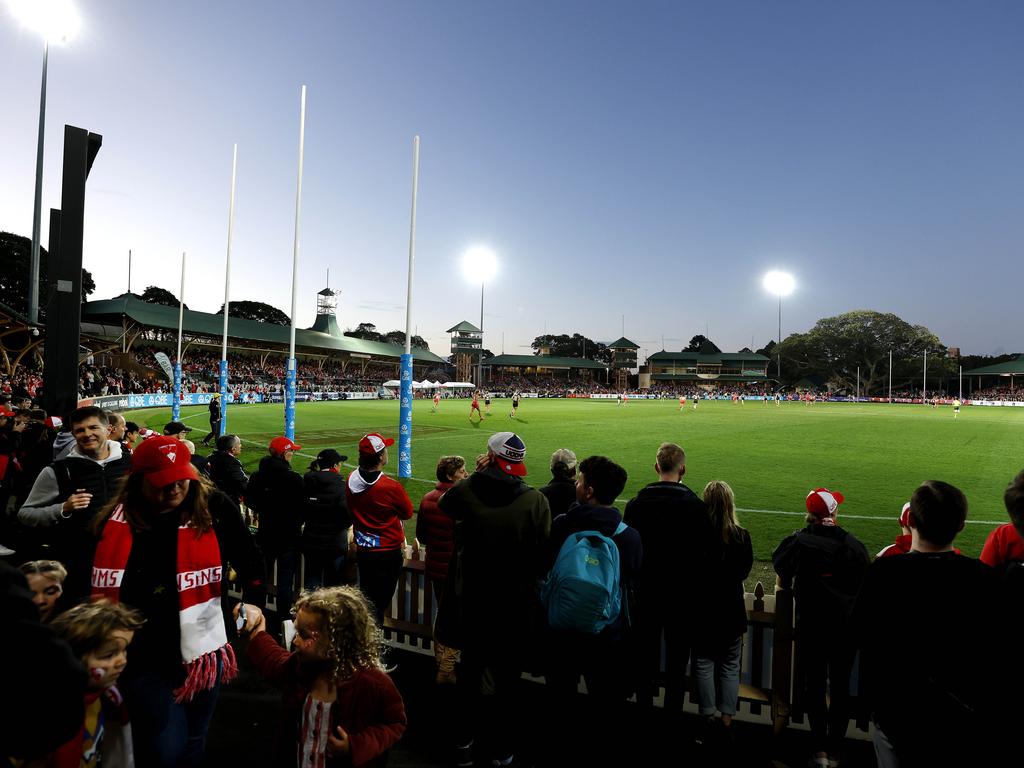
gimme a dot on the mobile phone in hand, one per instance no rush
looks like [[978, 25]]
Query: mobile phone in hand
[[240, 622]]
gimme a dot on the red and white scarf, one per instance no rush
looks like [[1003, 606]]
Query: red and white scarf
[[204, 640]]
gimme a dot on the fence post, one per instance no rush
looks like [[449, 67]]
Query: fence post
[[782, 660]]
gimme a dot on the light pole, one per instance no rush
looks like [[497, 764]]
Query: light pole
[[480, 264], [56, 21], [781, 284]]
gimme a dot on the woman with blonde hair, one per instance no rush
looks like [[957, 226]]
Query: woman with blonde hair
[[718, 643], [46, 580]]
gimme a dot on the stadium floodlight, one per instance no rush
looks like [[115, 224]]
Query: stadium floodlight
[[480, 264], [56, 21], [781, 284]]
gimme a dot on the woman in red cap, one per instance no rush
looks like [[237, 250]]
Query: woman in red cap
[[165, 542]]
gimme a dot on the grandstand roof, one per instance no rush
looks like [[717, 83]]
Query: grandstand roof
[[706, 359], [543, 361], [206, 324], [1009, 368], [622, 343], [464, 326]]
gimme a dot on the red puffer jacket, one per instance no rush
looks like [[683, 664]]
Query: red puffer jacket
[[436, 530]]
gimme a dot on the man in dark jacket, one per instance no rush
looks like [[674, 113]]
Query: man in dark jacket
[[215, 418], [275, 493], [501, 538], [603, 659], [561, 491], [825, 566], [675, 528], [226, 470], [327, 523], [67, 495]]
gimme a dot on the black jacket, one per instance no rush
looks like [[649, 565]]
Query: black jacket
[[325, 513], [227, 474], [561, 494], [724, 611], [675, 528], [276, 493]]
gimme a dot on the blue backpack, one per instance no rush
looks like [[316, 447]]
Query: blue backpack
[[582, 592]]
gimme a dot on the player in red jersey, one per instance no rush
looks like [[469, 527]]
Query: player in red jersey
[[682, 402], [437, 400], [475, 406]]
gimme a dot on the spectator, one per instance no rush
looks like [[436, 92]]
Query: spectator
[[116, 426], [335, 690], [177, 430], [67, 495], [275, 494], [326, 521], [201, 463], [436, 531], [502, 527], [99, 634], [676, 532], [825, 566], [928, 623], [131, 435], [166, 541], [45, 675], [1005, 545], [378, 505], [602, 658], [46, 580], [903, 542], [561, 491], [226, 470], [718, 640]]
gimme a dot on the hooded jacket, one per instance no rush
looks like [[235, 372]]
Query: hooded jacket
[[378, 505], [275, 492]]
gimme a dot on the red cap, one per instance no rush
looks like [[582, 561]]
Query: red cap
[[281, 444], [54, 422], [823, 503], [163, 460], [374, 443], [5, 411]]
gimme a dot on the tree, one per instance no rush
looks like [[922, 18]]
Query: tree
[[256, 310], [704, 345], [398, 337], [156, 295], [768, 350], [576, 345], [836, 346], [366, 331], [16, 258]]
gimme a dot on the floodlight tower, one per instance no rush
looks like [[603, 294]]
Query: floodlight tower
[[56, 21], [781, 284], [479, 263]]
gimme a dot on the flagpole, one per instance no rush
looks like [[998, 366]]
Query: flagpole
[[405, 410], [890, 375], [227, 301], [924, 385], [289, 398], [176, 405]]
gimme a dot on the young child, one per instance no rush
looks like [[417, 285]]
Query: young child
[[339, 705], [99, 634], [46, 580]]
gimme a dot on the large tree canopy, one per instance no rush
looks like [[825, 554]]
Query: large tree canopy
[[398, 337], [256, 310], [704, 345], [576, 345], [369, 332], [836, 346], [15, 260], [156, 295]]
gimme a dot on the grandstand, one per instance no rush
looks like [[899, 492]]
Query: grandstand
[[710, 366]]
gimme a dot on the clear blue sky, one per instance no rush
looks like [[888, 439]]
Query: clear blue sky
[[641, 159]]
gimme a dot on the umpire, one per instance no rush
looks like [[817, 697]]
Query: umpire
[[215, 417]]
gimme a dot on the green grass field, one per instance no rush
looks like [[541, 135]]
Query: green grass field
[[875, 454]]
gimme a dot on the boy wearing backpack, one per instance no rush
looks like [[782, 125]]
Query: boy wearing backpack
[[587, 600]]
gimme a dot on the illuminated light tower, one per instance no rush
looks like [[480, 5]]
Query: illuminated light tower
[[781, 284], [56, 21], [480, 264]]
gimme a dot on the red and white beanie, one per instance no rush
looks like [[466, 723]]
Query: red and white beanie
[[905, 516], [823, 504]]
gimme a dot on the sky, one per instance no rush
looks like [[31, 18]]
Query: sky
[[637, 167]]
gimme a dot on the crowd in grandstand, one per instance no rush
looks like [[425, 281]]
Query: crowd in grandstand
[[124, 539]]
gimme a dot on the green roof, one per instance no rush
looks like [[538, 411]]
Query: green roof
[[206, 324], [706, 377], [1009, 368], [622, 343], [464, 327], [715, 359], [543, 361]]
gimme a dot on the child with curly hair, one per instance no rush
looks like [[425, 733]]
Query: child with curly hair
[[339, 705], [99, 634]]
